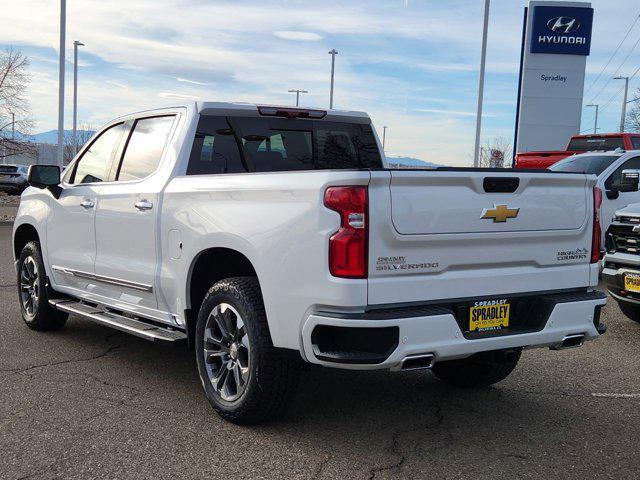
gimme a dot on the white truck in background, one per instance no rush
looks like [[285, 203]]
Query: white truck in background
[[265, 236]]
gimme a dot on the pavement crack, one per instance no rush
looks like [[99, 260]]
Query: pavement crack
[[106, 352]]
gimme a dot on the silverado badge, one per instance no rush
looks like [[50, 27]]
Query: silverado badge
[[499, 213]]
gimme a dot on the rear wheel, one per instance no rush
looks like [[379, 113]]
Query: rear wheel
[[479, 370], [32, 291], [245, 378], [632, 312]]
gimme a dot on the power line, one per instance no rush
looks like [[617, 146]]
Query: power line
[[617, 70], [613, 55]]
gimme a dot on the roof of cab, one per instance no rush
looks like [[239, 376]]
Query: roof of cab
[[222, 108]]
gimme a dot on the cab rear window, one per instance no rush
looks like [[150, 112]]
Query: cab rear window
[[587, 144], [258, 144]]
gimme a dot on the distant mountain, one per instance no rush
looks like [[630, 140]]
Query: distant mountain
[[50, 136], [412, 162]]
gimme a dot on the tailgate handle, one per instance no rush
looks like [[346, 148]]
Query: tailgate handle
[[501, 184]]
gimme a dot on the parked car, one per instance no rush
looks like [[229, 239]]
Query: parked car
[[13, 178], [608, 167], [621, 272], [266, 236], [579, 144]]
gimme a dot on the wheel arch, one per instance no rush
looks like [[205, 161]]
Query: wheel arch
[[22, 235], [208, 267]]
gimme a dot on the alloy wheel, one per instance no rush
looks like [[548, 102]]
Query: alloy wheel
[[226, 352], [29, 286]]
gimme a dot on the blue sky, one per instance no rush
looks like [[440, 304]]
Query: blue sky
[[412, 64]]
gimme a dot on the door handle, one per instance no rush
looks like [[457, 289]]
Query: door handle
[[143, 205], [87, 204]]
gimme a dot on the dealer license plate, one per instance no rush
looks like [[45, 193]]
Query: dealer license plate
[[632, 282], [490, 315]]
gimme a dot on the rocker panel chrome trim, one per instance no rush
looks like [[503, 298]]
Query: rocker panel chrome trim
[[101, 278]]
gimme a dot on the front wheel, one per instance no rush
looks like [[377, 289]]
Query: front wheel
[[245, 378], [632, 312], [32, 291], [479, 370]]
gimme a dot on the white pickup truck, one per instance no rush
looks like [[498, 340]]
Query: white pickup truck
[[264, 236]]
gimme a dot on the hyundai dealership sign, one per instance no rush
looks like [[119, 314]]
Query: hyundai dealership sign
[[557, 40], [561, 30]]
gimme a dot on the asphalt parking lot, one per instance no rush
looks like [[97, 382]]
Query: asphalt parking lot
[[88, 402]]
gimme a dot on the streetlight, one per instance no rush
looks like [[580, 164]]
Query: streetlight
[[595, 125], [76, 44], [384, 137], [63, 23], [483, 57], [13, 126], [624, 102], [297, 92], [333, 54]]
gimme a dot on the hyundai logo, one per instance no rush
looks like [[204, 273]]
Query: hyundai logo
[[563, 25]]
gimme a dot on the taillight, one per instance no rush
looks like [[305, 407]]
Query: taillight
[[595, 240], [348, 246], [288, 112]]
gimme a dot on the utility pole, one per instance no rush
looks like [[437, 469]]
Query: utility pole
[[624, 102], [63, 25], [333, 54], [483, 57], [13, 126], [595, 124], [297, 92], [384, 137], [76, 44]]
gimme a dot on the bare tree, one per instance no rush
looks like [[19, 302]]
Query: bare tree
[[15, 114], [83, 134], [633, 116], [496, 153]]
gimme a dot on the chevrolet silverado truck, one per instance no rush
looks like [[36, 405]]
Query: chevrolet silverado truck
[[579, 144], [267, 236]]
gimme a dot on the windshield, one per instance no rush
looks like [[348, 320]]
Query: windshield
[[584, 164], [586, 144]]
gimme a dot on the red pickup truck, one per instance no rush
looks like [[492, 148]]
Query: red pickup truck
[[579, 144]]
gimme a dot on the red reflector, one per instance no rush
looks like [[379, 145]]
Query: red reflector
[[289, 112], [595, 240], [348, 247]]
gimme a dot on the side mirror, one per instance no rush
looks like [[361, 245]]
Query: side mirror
[[629, 181], [45, 176]]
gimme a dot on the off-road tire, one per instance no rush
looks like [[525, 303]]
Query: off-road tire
[[479, 370], [272, 376], [632, 312], [44, 317]]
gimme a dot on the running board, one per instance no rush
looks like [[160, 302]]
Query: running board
[[99, 315]]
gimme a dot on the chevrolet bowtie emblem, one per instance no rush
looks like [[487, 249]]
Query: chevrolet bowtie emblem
[[500, 213]]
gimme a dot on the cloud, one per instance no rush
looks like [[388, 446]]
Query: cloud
[[447, 112], [193, 82], [183, 96], [300, 36]]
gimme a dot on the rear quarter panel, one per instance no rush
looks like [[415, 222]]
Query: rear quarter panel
[[279, 222]]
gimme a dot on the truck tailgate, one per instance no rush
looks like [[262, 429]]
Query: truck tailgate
[[438, 235]]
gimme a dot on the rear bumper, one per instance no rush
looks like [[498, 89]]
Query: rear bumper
[[435, 330]]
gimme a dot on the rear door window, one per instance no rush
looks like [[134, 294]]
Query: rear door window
[[144, 148], [258, 144]]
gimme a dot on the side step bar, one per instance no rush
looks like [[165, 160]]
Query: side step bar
[[99, 315]]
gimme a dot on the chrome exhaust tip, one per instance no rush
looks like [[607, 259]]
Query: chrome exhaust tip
[[418, 362], [571, 341]]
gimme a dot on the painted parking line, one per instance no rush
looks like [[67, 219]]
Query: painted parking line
[[616, 395]]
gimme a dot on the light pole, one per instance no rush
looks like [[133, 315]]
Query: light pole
[[384, 137], [483, 57], [13, 126], [76, 44], [624, 102], [297, 92], [63, 23], [595, 124], [333, 54]]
